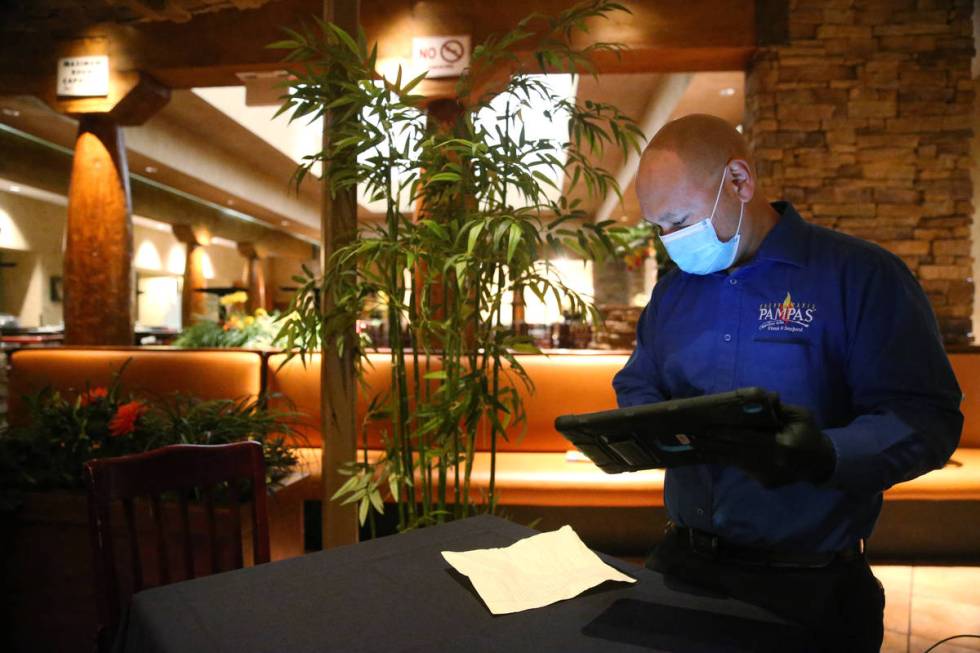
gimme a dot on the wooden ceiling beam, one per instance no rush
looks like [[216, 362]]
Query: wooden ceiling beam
[[168, 10], [661, 37]]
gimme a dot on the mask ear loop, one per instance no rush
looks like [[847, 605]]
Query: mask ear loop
[[741, 208], [718, 194]]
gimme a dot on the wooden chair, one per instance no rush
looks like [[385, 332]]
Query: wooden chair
[[176, 469]]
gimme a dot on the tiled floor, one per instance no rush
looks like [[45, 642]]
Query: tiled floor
[[926, 604]]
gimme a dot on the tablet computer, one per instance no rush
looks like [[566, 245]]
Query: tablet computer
[[674, 432]]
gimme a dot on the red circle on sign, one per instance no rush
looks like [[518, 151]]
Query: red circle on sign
[[452, 51]]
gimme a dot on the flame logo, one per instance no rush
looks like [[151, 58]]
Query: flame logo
[[786, 308]]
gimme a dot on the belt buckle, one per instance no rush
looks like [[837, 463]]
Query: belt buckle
[[697, 541]]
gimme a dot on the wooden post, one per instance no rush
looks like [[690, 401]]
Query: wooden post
[[98, 273], [255, 276], [193, 305], [338, 392], [100, 302]]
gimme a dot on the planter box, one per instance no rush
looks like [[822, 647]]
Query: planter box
[[48, 601]]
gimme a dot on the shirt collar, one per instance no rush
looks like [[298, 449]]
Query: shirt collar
[[787, 241]]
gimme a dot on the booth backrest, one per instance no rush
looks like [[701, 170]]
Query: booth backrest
[[209, 374], [966, 366], [295, 385], [562, 384]]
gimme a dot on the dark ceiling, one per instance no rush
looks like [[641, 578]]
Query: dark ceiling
[[53, 16]]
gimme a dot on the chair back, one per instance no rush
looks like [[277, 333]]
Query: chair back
[[178, 470]]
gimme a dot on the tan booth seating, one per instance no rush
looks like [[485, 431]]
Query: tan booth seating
[[536, 470], [533, 465], [159, 372], [533, 470]]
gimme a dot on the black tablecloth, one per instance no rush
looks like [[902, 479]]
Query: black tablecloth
[[397, 593]]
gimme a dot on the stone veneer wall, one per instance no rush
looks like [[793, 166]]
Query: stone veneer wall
[[864, 121]]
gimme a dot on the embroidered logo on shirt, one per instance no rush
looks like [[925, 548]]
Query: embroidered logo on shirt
[[787, 316]]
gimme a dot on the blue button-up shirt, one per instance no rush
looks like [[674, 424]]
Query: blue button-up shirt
[[830, 322]]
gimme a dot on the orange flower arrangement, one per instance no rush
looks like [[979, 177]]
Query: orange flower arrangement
[[124, 421], [92, 395]]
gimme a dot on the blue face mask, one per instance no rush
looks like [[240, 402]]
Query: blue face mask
[[697, 250]]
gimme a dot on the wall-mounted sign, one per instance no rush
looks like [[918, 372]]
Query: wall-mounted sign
[[441, 56], [83, 76]]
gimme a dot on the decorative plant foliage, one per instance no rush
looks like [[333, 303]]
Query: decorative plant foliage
[[469, 221], [237, 330], [62, 431]]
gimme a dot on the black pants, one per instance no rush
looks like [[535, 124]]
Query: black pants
[[841, 604]]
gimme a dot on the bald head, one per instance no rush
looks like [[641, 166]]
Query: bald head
[[701, 143], [697, 166]]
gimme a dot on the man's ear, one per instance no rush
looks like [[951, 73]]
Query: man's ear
[[743, 179]]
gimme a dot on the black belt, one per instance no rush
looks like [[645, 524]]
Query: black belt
[[715, 548]]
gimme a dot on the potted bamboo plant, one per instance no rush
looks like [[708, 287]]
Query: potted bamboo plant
[[473, 211]]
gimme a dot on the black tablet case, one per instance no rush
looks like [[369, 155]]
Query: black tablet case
[[675, 432]]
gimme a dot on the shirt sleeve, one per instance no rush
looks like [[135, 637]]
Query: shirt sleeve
[[639, 380], [903, 390]]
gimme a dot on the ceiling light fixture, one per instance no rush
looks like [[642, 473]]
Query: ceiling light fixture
[[230, 202], [727, 92], [285, 223], [15, 189], [13, 113], [150, 169]]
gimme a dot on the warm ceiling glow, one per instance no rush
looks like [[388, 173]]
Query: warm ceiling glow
[[148, 257], [727, 92], [176, 259], [207, 267]]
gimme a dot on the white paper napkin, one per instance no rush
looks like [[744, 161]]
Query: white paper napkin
[[533, 572]]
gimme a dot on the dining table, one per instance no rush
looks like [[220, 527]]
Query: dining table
[[398, 593]]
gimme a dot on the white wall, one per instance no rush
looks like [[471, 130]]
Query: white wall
[[32, 236]]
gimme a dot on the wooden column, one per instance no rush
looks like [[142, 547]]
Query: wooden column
[[98, 273], [255, 276], [100, 299], [338, 389], [193, 305]]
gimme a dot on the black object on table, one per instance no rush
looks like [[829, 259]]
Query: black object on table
[[397, 593], [676, 432]]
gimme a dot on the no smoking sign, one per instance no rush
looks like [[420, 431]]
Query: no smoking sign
[[441, 56]]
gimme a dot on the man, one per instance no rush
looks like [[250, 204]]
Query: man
[[838, 327]]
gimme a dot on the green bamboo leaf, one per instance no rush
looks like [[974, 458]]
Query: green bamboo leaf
[[344, 37], [362, 512], [436, 228], [376, 501], [438, 374], [444, 176], [474, 235], [345, 488], [288, 44], [513, 240]]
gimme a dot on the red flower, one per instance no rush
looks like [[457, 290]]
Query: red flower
[[124, 421], [92, 395]]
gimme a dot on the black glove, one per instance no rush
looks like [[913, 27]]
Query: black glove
[[799, 451]]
